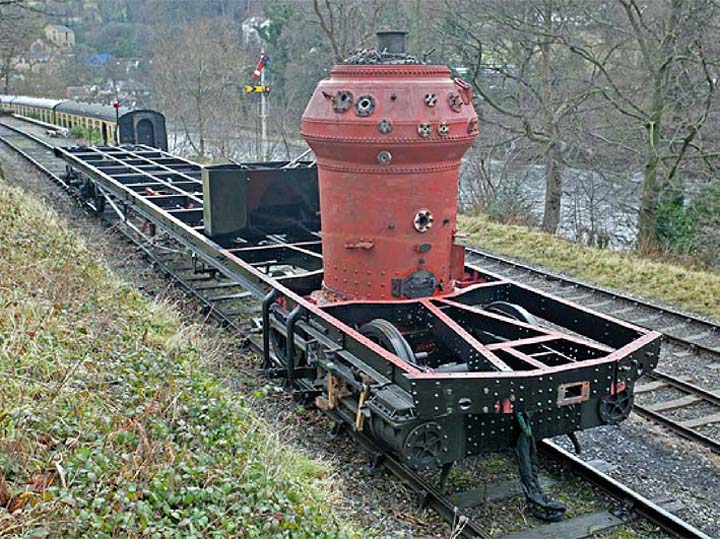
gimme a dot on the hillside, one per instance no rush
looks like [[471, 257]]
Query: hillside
[[111, 423]]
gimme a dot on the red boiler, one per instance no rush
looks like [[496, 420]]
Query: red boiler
[[389, 133]]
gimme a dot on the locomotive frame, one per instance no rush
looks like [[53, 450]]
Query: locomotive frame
[[545, 366]]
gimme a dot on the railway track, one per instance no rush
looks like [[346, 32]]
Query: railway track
[[228, 302], [669, 398]]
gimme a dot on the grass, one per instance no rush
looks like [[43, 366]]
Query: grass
[[686, 288], [111, 424]]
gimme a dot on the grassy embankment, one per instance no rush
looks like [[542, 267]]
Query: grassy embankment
[[686, 288], [110, 423]]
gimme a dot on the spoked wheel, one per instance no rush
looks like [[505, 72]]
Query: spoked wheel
[[386, 335], [511, 310], [615, 408], [424, 445]]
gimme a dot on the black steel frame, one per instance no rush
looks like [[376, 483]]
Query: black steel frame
[[561, 378]]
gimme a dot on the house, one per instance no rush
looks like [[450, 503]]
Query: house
[[95, 59], [60, 36]]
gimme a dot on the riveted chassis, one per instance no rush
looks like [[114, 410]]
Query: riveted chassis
[[488, 367]]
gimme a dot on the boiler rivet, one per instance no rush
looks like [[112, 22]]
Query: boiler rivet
[[384, 157], [384, 126]]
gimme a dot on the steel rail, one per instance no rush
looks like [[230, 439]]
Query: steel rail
[[686, 432], [32, 137], [211, 306], [639, 503], [463, 525], [688, 387], [51, 175], [679, 428], [437, 500]]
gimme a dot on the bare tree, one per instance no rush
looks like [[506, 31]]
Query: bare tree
[[521, 72], [656, 64], [348, 24], [17, 28], [197, 74]]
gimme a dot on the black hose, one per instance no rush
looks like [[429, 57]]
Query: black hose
[[268, 300], [290, 343]]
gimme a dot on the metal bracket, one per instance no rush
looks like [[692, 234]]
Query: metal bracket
[[419, 284]]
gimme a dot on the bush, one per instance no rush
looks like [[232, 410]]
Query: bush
[[77, 131], [691, 226], [88, 134], [498, 190]]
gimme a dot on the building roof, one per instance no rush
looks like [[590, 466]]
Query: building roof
[[59, 28], [99, 58]]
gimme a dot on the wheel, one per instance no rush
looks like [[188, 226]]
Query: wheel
[[386, 335], [278, 344], [424, 445], [511, 310], [615, 408], [90, 193]]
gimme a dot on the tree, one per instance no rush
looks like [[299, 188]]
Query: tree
[[348, 24], [17, 28], [197, 78], [524, 78], [655, 63]]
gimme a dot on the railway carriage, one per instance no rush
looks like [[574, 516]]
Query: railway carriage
[[124, 126]]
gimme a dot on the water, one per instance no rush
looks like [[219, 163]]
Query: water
[[595, 209]]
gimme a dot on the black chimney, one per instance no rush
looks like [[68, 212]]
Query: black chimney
[[391, 41]]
